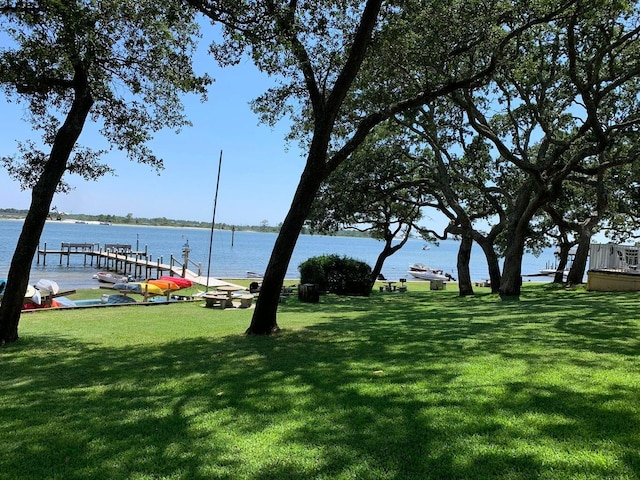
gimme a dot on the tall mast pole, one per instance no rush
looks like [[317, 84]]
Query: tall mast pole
[[213, 220]]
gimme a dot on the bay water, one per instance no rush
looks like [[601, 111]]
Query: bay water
[[233, 254]]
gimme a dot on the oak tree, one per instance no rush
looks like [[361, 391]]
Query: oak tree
[[121, 63], [341, 68]]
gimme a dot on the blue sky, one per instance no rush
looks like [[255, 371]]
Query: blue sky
[[259, 171]]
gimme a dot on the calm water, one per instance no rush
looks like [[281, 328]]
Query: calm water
[[250, 251]]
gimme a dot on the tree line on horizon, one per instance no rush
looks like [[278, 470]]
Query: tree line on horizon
[[130, 219]]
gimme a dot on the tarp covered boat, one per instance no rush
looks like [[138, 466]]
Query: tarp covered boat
[[111, 277], [47, 287], [141, 288]]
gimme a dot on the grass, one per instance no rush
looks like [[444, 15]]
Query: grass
[[422, 385]]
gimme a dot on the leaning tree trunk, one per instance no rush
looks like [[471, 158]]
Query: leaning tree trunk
[[464, 275], [263, 321], [377, 268], [41, 198], [386, 252]]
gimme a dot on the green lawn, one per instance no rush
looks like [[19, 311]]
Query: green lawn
[[422, 385]]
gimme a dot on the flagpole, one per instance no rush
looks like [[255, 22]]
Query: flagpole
[[213, 221]]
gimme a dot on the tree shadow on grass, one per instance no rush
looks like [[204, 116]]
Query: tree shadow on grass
[[400, 387]]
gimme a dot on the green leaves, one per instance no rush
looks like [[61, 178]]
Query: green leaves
[[136, 57]]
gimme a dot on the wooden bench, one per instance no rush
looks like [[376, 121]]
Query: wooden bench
[[213, 299]]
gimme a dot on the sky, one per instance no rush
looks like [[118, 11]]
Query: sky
[[259, 173]]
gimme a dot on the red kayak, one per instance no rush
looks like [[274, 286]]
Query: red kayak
[[181, 282]]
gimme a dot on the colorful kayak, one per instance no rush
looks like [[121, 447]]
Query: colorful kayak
[[165, 284], [181, 282]]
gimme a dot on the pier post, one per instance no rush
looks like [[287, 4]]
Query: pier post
[[185, 256]]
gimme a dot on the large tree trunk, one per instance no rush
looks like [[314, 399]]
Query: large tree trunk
[[493, 264], [526, 206], [325, 110], [563, 259], [511, 280], [41, 198], [579, 265], [464, 275], [263, 321]]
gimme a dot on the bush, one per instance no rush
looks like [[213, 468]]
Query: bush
[[335, 274]]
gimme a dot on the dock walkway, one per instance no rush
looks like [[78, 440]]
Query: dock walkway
[[122, 259]]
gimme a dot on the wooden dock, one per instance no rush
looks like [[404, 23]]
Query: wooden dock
[[120, 258]]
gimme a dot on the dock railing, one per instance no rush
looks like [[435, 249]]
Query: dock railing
[[180, 268]]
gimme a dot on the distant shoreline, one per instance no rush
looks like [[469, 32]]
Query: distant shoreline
[[19, 215]]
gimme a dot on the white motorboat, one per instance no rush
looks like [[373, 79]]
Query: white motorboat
[[424, 272]]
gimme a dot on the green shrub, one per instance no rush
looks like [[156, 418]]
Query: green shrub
[[335, 274]]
